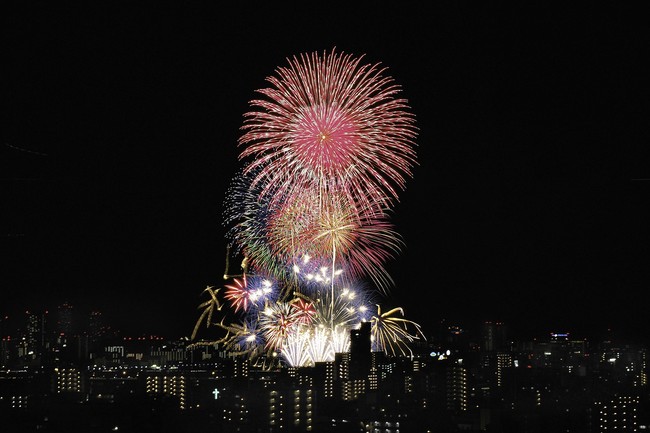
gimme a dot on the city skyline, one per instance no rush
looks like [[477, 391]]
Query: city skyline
[[527, 205], [460, 380], [73, 321]]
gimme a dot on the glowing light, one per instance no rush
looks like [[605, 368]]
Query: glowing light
[[325, 150], [392, 334], [333, 122]]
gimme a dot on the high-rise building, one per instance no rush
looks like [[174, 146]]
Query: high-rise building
[[168, 352], [493, 336], [287, 406], [34, 333], [167, 384], [64, 319], [97, 328], [618, 414], [240, 366], [360, 354], [326, 371], [6, 347], [68, 380], [504, 362], [624, 363], [5, 326], [457, 391]]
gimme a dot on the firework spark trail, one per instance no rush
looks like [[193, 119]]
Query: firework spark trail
[[209, 308], [319, 345], [294, 350], [393, 334]]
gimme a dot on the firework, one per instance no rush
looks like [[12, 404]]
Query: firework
[[308, 328], [340, 339], [303, 311], [332, 124], [238, 294], [242, 338], [243, 294], [362, 241], [209, 308], [271, 237], [277, 321], [309, 345], [327, 148], [294, 351], [319, 344], [392, 334], [246, 216]]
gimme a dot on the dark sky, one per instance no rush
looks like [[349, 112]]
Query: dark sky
[[119, 125]]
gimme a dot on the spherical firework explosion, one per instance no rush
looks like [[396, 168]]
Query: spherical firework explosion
[[326, 151], [334, 124]]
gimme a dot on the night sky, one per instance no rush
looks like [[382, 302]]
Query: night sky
[[529, 205]]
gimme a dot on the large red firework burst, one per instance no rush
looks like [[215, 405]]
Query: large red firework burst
[[332, 122]]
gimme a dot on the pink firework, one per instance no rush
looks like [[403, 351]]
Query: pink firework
[[332, 122], [238, 294], [277, 321], [303, 311]]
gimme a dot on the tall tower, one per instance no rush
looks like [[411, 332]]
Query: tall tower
[[35, 331], [457, 392], [493, 336], [96, 326], [64, 319], [360, 354]]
